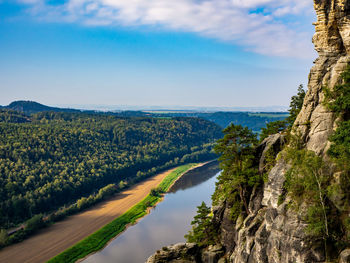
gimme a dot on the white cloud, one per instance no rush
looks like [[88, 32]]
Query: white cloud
[[258, 25], [250, 3]]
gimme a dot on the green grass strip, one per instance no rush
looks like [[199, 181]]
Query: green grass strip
[[100, 238]]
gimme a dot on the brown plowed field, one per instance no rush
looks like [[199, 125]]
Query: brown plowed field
[[62, 235]]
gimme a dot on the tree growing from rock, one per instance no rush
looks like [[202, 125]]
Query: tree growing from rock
[[203, 231], [239, 174], [296, 104]]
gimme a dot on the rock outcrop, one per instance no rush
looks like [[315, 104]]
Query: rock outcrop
[[187, 253], [272, 232], [179, 253], [345, 256], [332, 42]]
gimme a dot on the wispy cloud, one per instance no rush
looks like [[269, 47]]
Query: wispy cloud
[[258, 25]]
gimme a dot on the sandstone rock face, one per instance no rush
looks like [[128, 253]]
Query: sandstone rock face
[[188, 253], [272, 233], [271, 145], [274, 187], [179, 253], [345, 256], [228, 232], [213, 254], [332, 42]]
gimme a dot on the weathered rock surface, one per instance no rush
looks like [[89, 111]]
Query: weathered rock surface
[[188, 253], [179, 253], [271, 145], [272, 233], [345, 256], [212, 254], [332, 42]]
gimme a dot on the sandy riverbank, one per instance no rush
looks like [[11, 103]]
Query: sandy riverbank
[[55, 239]]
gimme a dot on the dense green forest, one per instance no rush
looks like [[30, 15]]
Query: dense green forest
[[12, 116], [57, 158], [254, 121]]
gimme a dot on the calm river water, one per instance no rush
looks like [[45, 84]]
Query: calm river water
[[167, 223]]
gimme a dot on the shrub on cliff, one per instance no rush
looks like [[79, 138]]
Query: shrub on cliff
[[338, 101]]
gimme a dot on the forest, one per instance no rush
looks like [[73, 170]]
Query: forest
[[50, 160], [253, 120]]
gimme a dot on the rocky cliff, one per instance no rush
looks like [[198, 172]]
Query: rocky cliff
[[272, 232], [332, 42]]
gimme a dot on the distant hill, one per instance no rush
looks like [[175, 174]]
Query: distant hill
[[252, 120], [29, 107]]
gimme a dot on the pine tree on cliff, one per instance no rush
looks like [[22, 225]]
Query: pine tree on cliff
[[296, 104], [236, 151], [203, 231]]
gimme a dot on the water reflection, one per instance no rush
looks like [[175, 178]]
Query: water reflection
[[167, 223], [195, 177]]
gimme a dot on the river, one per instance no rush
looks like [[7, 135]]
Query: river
[[166, 224]]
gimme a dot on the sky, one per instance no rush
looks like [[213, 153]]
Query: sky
[[223, 53]]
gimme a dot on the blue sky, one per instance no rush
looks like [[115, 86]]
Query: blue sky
[[155, 52]]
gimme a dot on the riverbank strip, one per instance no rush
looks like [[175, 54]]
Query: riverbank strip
[[101, 237]]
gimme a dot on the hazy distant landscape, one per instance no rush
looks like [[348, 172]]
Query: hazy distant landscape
[[253, 120]]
